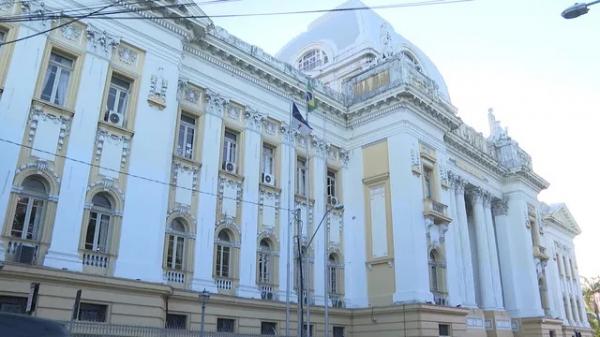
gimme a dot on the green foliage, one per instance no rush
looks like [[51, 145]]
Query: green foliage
[[591, 287]]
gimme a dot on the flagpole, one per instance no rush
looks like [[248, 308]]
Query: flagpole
[[306, 212], [291, 216]]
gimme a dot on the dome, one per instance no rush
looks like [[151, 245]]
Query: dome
[[340, 36]]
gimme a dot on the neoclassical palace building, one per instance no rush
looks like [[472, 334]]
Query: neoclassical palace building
[[145, 160]]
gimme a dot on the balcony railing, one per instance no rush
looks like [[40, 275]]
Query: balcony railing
[[436, 210], [174, 276], [95, 262], [440, 298], [336, 300], [22, 251], [267, 291], [225, 285]]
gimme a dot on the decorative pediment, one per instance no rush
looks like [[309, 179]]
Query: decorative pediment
[[559, 215]]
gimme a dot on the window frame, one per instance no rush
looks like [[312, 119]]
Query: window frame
[[312, 59], [179, 315], [222, 320], [59, 70], [91, 305], [115, 75], [224, 256], [265, 325], [182, 141], [97, 214], [331, 185], [173, 248], [230, 148], [40, 214], [268, 163], [301, 177]]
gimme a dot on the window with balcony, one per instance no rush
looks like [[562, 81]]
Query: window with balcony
[[301, 177], [268, 328], [117, 100], [30, 208], [437, 277], [225, 325], [185, 137], [230, 144], [92, 312], [265, 262], [268, 164], [312, 59], [57, 79], [176, 234], [97, 233], [331, 187], [333, 274], [223, 256]]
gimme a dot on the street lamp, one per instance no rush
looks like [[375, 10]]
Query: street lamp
[[577, 9], [204, 296], [326, 244]]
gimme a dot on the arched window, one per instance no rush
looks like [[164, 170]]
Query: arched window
[[333, 274], [223, 259], [312, 59], [96, 237], [30, 208], [437, 277], [265, 269], [176, 244]]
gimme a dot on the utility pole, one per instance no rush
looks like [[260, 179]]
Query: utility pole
[[299, 275], [327, 276]]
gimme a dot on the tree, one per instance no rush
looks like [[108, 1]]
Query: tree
[[591, 292]]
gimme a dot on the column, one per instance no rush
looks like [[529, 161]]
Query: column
[[454, 265], [495, 268], [486, 287], [287, 177], [465, 244], [64, 248], [519, 275], [411, 269], [317, 172], [212, 124], [21, 77], [249, 226]]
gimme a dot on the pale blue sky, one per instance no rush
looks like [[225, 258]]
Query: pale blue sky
[[540, 73]]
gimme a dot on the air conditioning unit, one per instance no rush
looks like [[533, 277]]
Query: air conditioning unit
[[268, 179], [333, 201], [25, 254], [114, 118], [229, 167]]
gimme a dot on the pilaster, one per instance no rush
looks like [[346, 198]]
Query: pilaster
[[317, 172], [494, 265], [212, 129], [410, 241], [287, 179], [249, 226]]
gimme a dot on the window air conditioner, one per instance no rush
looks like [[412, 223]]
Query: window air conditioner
[[25, 254], [114, 118], [333, 201], [268, 179], [230, 167]]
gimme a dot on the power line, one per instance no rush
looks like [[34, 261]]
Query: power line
[[156, 181], [315, 11]]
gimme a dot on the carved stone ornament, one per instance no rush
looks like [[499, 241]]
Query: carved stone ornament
[[71, 32], [157, 94], [253, 119], [288, 134], [320, 146], [415, 162], [38, 114], [127, 55], [457, 182], [500, 207], [188, 93], [215, 103], [100, 41]]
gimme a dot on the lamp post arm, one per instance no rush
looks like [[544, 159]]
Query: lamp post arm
[[320, 223]]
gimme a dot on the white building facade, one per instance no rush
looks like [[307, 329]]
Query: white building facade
[[146, 160]]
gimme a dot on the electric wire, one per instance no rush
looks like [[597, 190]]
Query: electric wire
[[235, 15], [137, 176]]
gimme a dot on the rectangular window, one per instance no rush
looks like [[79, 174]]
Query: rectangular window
[[230, 151], [264, 272], [11, 304], [268, 328], [185, 138], [28, 214], [56, 82], [427, 182], [331, 186], [92, 312], [338, 331], [176, 321], [225, 325], [117, 100], [444, 330], [309, 332], [301, 182], [268, 164], [97, 232]]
